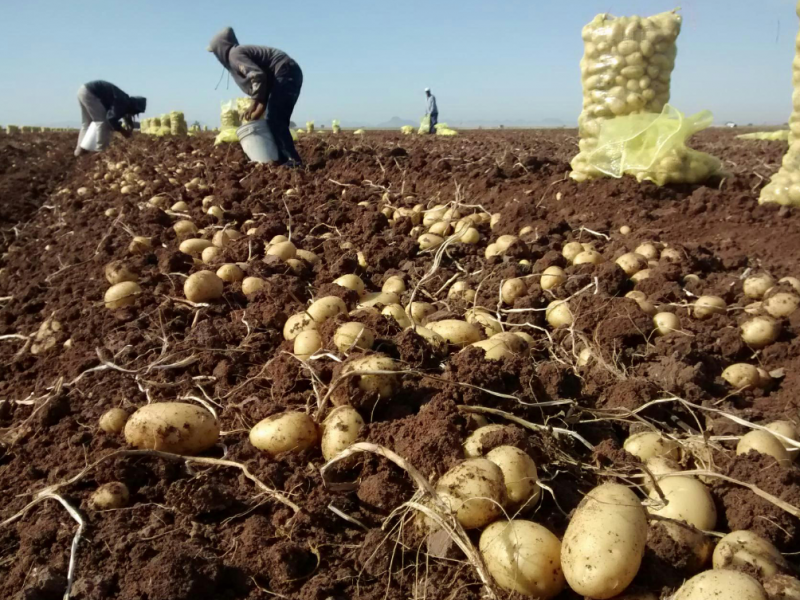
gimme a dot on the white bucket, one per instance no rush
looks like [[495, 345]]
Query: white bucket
[[91, 138], [257, 142]]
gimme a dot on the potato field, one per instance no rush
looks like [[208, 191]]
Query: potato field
[[225, 380]]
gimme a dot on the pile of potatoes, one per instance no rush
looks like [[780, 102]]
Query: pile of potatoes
[[432, 226]]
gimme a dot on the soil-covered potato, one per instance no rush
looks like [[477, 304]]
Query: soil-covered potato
[[340, 429], [122, 294], [203, 286], [475, 491], [721, 584], [173, 427], [284, 432]]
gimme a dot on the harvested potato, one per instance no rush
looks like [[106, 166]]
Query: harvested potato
[[782, 587], [382, 384], [209, 254], [283, 250], [519, 474], [351, 282], [117, 272], [216, 212], [781, 304], [184, 228], [378, 298], [688, 500], [441, 228], [122, 294], [396, 312], [494, 220], [742, 376], [353, 335], [436, 342], [455, 332], [109, 496], [631, 263], [760, 332], [588, 257], [641, 275], [504, 242], [722, 584], [230, 272], [174, 427], [492, 250], [666, 323], [527, 337], [741, 549], [306, 343], [645, 305], [792, 281], [515, 342], [658, 467], [251, 285], [221, 239], [113, 420], [558, 314], [278, 239], [203, 286], [473, 445], [511, 290], [571, 250], [789, 430], [764, 442], [470, 236], [180, 206], [484, 319], [494, 349], [756, 286], [296, 324], [552, 277], [461, 289], [474, 490], [650, 444], [289, 431], [429, 241], [394, 285], [419, 311], [140, 244], [648, 251], [194, 246], [326, 308], [340, 430], [705, 306], [671, 255], [306, 256], [604, 542], [523, 557]]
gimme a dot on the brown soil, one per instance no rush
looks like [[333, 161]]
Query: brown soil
[[194, 531]]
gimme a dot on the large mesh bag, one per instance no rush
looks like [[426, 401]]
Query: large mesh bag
[[626, 69], [177, 123], [229, 123]]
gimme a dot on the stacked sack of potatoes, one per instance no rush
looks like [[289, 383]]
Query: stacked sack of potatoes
[[177, 123]]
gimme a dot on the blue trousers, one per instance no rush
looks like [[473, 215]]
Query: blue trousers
[[283, 96], [434, 121]]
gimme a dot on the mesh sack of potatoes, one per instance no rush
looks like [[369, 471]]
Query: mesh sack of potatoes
[[782, 135], [784, 187], [177, 123], [335, 127], [229, 123], [626, 69]]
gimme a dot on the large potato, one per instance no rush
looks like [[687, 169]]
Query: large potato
[[519, 474], [764, 442], [455, 332], [353, 335], [523, 557], [604, 542], [473, 445], [351, 282], [122, 294], [172, 427], [340, 430], [381, 383], [284, 432], [376, 298], [649, 444], [484, 319], [296, 324], [117, 272], [203, 286], [721, 585], [474, 490], [326, 308], [194, 246], [744, 548], [688, 500]]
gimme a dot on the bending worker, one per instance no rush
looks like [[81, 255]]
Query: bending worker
[[433, 110], [271, 78], [108, 106]]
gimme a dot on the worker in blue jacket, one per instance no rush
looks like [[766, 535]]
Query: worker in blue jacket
[[433, 110], [109, 107]]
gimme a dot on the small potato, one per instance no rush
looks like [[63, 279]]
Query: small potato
[[625, 230], [744, 548], [326, 308], [631, 263], [494, 220], [203, 286], [179, 206], [523, 557], [641, 275], [516, 343], [194, 246], [571, 250], [650, 444], [289, 431], [470, 236], [394, 285], [139, 245], [109, 496], [297, 266], [756, 286], [588, 257], [436, 342], [220, 239], [432, 215], [296, 324], [764, 442], [552, 277], [351, 282], [419, 311], [474, 490], [396, 312], [527, 337], [340, 430], [376, 298], [461, 289], [722, 584], [283, 250], [216, 212], [781, 304], [505, 241], [604, 543], [666, 323], [493, 349], [307, 256], [251, 285], [789, 430], [705, 306], [441, 228], [742, 376], [184, 228], [558, 314], [648, 250], [122, 294], [173, 427], [117, 271], [688, 500], [473, 445], [353, 335], [230, 272], [429, 241], [278, 239], [306, 343], [113, 420], [792, 281], [492, 250], [210, 254], [671, 255], [484, 319], [455, 332], [382, 384], [760, 332], [519, 474], [511, 290]]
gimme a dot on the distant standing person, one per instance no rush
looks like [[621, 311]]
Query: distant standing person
[[433, 110], [108, 106], [272, 79]]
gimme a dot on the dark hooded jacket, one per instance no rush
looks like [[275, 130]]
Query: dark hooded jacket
[[253, 68], [118, 104]]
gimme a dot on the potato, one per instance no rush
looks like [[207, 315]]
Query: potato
[[722, 585], [351, 282], [216, 212], [230, 272], [688, 500], [473, 445], [180, 206], [429, 241], [504, 241], [184, 228], [306, 343], [283, 250], [523, 557], [251, 285], [326, 308], [203, 286], [173, 427], [109, 496], [782, 587], [742, 376], [113, 420], [220, 239], [511, 290], [519, 474], [455, 332], [484, 319], [394, 285], [290, 431], [117, 271], [552, 277], [744, 548], [493, 349], [474, 490], [666, 322], [139, 245], [296, 324], [527, 337], [789, 430], [671, 255], [516, 343], [376, 298], [461, 289], [756, 286], [625, 230], [764, 442], [381, 383], [650, 444], [278, 239], [396, 312], [210, 253], [571, 250], [440, 228], [122, 294], [340, 430], [647, 250], [492, 250], [588, 257], [353, 335], [436, 342], [470, 236], [792, 281], [705, 306], [494, 220], [558, 314], [433, 215], [658, 467], [781, 304], [419, 311], [631, 263], [604, 542], [760, 332], [307, 256], [194, 246]]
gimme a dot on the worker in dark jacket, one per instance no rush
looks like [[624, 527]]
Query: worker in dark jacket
[[271, 78], [432, 110], [108, 106]]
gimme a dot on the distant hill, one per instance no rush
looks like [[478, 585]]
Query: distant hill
[[396, 123]]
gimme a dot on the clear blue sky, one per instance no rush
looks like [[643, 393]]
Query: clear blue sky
[[368, 60]]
